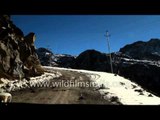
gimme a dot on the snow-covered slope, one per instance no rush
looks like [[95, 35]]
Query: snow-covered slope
[[127, 92]]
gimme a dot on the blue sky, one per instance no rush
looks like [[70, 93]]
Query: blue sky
[[72, 34]]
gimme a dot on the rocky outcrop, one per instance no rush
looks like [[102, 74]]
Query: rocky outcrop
[[92, 60], [143, 50], [18, 58], [47, 58]]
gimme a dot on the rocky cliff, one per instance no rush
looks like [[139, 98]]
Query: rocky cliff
[[18, 56]]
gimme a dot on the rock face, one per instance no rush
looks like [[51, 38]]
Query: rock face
[[143, 50], [47, 58], [18, 56]]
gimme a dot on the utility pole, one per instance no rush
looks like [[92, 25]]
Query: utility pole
[[107, 36]]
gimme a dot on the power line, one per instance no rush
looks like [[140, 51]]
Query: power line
[[107, 36]]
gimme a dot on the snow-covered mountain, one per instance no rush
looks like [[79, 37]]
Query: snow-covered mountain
[[48, 58]]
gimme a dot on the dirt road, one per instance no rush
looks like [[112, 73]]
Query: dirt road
[[61, 95]]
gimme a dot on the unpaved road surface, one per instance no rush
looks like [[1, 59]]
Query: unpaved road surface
[[61, 94]]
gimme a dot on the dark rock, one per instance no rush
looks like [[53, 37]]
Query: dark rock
[[141, 93], [122, 83], [133, 86], [114, 99], [81, 97], [150, 95], [138, 90], [102, 87]]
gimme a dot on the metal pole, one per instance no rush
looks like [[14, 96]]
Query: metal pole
[[107, 35]]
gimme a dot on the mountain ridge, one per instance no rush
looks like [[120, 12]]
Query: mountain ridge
[[149, 50]]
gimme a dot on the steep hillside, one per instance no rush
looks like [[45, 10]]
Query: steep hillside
[[149, 50]]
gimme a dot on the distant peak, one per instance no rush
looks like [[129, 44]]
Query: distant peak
[[41, 49], [143, 50], [154, 40]]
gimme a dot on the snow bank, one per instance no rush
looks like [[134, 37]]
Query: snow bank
[[9, 85], [128, 93]]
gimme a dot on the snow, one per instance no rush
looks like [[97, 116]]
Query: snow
[[128, 93], [47, 54], [22, 84]]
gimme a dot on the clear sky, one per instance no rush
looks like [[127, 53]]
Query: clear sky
[[72, 34]]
